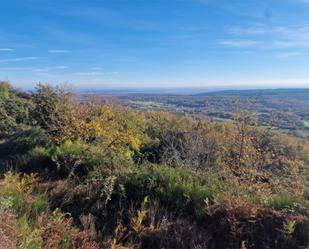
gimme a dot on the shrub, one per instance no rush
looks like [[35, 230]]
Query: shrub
[[17, 195], [30, 236], [16, 189], [15, 151], [14, 110], [13, 199], [22, 142], [63, 159], [236, 223], [177, 188], [301, 232], [58, 232], [39, 205], [290, 204]]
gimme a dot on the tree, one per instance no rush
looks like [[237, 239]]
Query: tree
[[117, 129], [14, 110], [45, 99]]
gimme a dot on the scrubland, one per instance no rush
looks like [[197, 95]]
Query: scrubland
[[96, 174]]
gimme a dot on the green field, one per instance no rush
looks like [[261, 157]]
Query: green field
[[306, 123]]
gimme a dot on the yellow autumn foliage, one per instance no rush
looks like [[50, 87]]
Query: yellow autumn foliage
[[118, 129]]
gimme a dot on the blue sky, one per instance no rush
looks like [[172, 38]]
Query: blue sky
[[155, 43]]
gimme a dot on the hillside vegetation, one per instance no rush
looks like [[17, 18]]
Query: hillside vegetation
[[94, 174], [285, 109]]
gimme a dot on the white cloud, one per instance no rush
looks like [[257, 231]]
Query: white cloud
[[59, 51], [269, 37], [238, 43], [289, 31], [6, 49], [15, 68], [60, 67], [19, 59], [88, 73], [96, 68], [34, 69], [256, 30], [94, 73], [46, 69]]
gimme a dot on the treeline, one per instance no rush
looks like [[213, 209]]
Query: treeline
[[146, 179]]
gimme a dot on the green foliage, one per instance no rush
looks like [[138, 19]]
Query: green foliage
[[67, 149], [31, 238], [16, 188], [5, 89], [22, 142], [69, 158], [38, 206], [37, 227], [16, 195], [6, 203], [12, 201], [177, 188], [45, 99], [290, 204], [15, 110]]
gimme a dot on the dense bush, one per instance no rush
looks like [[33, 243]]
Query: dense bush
[[176, 188], [290, 204], [22, 142], [15, 109], [34, 227]]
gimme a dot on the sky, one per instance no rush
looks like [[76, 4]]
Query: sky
[[155, 43]]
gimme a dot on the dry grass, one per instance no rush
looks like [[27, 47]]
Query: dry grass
[[8, 231]]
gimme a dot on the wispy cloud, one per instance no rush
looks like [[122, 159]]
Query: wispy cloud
[[60, 67], [34, 69], [288, 31], [19, 59], [59, 51], [238, 43], [46, 69], [287, 55], [96, 68], [88, 73], [256, 30], [7, 49], [269, 37], [94, 73], [16, 68]]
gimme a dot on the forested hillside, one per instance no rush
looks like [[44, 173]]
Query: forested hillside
[[95, 174], [285, 109]]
